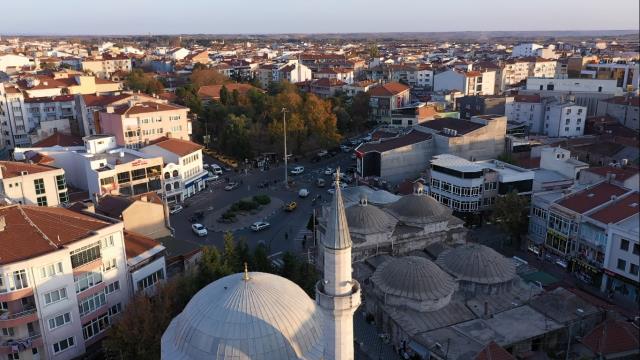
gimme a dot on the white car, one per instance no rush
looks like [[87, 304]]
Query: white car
[[328, 171], [212, 177], [303, 193], [199, 229], [176, 209], [297, 170], [259, 225], [216, 170]]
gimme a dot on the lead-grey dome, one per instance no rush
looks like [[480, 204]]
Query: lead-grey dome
[[419, 209], [413, 277], [365, 219], [265, 317], [478, 264]]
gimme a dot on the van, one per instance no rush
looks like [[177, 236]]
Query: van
[[297, 170], [216, 170]]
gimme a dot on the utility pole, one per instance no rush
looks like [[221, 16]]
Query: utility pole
[[286, 156]]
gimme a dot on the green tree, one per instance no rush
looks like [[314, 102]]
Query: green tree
[[201, 77], [510, 213], [359, 111], [373, 51], [138, 80]]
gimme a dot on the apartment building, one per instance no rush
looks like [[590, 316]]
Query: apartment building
[[143, 214], [525, 50], [385, 98], [557, 169], [516, 71], [415, 75], [183, 172], [473, 186], [564, 119], [291, 71], [342, 74], [64, 287], [527, 109], [136, 124], [104, 66], [100, 167], [625, 109], [13, 117], [470, 106], [625, 75], [470, 83], [32, 184]]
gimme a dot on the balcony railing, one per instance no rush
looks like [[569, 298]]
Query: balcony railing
[[12, 316]]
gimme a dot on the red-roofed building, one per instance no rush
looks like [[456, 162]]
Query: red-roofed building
[[628, 177], [386, 98], [32, 184], [613, 339]]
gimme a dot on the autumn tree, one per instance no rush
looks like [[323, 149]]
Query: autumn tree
[[137, 80], [201, 77], [510, 213]]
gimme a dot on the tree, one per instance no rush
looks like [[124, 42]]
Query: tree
[[224, 95], [510, 213], [201, 77], [359, 111], [373, 51], [137, 80]]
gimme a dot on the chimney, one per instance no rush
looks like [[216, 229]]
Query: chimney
[[3, 223], [486, 309]]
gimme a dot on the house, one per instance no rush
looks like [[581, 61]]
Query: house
[[325, 87], [32, 184], [564, 119], [613, 339], [144, 214], [469, 82], [385, 98]]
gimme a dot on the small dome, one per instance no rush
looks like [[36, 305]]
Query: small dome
[[478, 264], [413, 277], [264, 317], [367, 219], [419, 208]]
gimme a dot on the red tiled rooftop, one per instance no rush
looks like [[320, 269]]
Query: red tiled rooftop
[[620, 173], [213, 91], [527, 98], [612, 337], [622, 209], [137, 244], [177, 146], [60, 139], [10, 169], [388, 89], [592, 197]]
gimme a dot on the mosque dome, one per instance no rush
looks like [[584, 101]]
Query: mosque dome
[[365, 219], [419, 208], [246, 316], [477, 264], [413, 277]]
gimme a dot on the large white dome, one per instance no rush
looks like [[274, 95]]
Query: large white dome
[[265, 317]]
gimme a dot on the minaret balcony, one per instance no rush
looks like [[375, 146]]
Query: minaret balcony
[[349, 301]]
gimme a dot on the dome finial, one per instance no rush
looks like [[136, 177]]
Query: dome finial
[[338, 177], [245, 277]]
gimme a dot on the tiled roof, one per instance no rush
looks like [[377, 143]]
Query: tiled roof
[[612, 337], [388, 89], [10, 169], [461, 126], [494, 351], [48, 99], [177, 146], [587, 199], [60, 139], [213, 91], [136, 244], [33, 230], [146, 107], [527, 98], [103, 100], [620, 174], [622, 209], [327, 82], [413, 137]]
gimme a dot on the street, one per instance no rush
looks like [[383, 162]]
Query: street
[[280, 237]]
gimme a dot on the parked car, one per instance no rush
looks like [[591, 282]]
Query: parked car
[[320, 182], [199, 229], [206, 166], [328, 171], [216, 170], [291, 206], [297, 170], [211, 177], [303, 193], [175, 209], [323, 153], [259, 225], [232, 185]]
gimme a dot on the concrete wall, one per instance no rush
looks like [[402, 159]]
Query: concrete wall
[[146, 218], [405, 162]]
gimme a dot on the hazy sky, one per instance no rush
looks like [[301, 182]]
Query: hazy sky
[[304, 16]]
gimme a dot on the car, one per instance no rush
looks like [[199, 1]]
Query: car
[[297, 170], [216, 170], [303, 193], [291, 206], [320, 182], [199, 229], [563, 264], [367, 138], [323, 153], [232, 185], [175, 209], [211, 177], [328, 171], [345, 148], [259, 225], [206, 166]]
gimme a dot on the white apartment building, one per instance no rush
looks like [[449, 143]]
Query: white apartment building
[[526, 49], [344, 75], [573, 85], [472, 186], [518, 70], [291, 71], [101, 167], [469, 82], [62, 290], [32, 184], [183, 173], [557, 170], [564, 119], [528, 109], [104, 66], [13, 117]]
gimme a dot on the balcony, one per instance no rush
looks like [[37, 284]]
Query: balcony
[[16, 345], [15, 294], [8, 320], [91, 265]]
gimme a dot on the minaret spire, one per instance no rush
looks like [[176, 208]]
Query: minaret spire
[[338, 295]]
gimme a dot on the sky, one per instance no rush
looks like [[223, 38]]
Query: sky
[[125, 17]]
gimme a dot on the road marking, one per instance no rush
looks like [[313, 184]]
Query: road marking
[[274, 254]]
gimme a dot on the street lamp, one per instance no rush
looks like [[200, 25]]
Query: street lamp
[[284, 130]]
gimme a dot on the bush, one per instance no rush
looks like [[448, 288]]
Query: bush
[[235, 207], [247, 205], [262, 199], [228, 215]]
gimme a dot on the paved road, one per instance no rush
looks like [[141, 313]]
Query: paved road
[[215, 197]]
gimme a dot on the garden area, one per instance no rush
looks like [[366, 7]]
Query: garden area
[[243, 213]]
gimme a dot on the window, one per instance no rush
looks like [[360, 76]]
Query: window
[[51, 270], [63, 197], [622, 265], [85, 255], [39, 185], [55, 296], [13, 356], [109, 264], [115, 309], [124, 177], [95, 326], [92, 303], [87, 280], [8, 331], [636, 250], [624, 244], [107, 242], [60, 182], [42, 201], [63, 345], [633, 269], [150, 280], [19, 280], [59, 320], [114, 286]]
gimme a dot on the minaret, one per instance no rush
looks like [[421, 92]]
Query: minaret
[[338, 295]]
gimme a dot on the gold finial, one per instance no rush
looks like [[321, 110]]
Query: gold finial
[[245, 277], [338, 177]]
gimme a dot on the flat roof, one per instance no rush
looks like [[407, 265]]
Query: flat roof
[[454, 162]]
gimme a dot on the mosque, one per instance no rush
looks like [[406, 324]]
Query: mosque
[[254, 315]]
